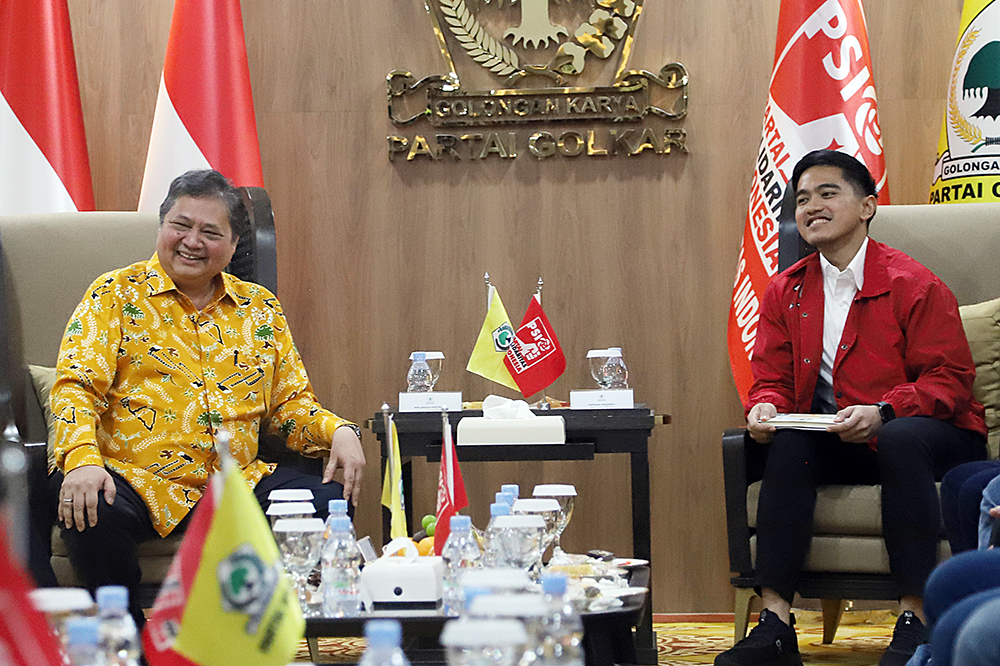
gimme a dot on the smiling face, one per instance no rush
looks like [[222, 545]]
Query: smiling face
[[831, 215], [195, 243]]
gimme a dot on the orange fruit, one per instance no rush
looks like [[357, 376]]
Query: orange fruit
[[426, 546]]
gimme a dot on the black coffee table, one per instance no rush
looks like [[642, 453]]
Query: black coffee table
[[607, 635]]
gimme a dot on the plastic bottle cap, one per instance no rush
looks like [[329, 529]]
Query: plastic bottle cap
[[554, 583], [511, 488], [112, 598], [383, 633], [340, 524], [82, 630], [499, 509], [337, 507], [460, 523], [505, 498]]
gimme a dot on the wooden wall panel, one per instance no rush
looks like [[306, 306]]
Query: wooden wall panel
[[377, 259]]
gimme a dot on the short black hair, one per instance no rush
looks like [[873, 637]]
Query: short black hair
[[853, 171], [208, 183]]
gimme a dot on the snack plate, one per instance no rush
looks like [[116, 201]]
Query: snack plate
[[629, 563]]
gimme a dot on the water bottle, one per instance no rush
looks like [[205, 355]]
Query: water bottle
[[492, 554], [118, 638], [615, 372], [382, 644], [337, 507], [419, 379], [460, 553], [341, 562], [561, 630], [82, 647]]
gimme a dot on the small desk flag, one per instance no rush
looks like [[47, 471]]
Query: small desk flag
[[816, 100], [451, 489], [44, 166], [25, 636], [226, 599], [534, 358], [494, 340], [392, 486]]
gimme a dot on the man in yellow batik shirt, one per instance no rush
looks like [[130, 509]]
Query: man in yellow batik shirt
[[157, 358]]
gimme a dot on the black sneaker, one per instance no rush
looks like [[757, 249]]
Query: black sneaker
[[770, 643], [909, 633]]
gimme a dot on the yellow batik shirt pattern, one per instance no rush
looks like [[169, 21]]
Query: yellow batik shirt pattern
[[145, 381]]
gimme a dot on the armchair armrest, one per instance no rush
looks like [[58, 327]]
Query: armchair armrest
[[734, 468]]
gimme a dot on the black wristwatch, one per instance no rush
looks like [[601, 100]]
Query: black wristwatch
[[356, 429], [886, 411]]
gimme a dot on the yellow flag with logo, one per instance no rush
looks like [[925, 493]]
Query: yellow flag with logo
[[967, 169], [226, 599], [492, 344], [392, 486]]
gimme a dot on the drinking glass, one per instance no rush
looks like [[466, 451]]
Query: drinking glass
[[300, 541], [597, 359], [435, 360], [565, 494], [547, 508], [520, 543]]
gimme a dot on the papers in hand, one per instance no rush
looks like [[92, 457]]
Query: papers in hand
[[802, 421]]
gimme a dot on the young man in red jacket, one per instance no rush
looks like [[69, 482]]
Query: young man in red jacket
[[865, 332]]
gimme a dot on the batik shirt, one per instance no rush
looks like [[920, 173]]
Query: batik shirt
[[145, 381]]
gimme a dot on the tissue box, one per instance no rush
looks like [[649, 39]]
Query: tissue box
[[402, 583], [539, 430]]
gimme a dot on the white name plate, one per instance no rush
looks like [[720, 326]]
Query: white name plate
[[432, 401], [617, 399]]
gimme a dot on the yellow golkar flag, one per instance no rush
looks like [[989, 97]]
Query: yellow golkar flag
[[392, 486], [491, 347], [967, 169], [226, 599]]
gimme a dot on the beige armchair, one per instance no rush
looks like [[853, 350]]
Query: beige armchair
[[48, 261], [847, 558]]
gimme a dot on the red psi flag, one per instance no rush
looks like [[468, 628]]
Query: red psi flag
[[44, 166], [534, 357], [822, 95], [25, 637], [451, 489], [204, 115]]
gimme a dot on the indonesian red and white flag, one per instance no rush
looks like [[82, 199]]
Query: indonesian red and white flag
[[451, 490], [534, 358], [25, 636], [822, 95], [204, 115], [44, 166]]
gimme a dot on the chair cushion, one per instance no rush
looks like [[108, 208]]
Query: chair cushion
[[42, 379], [840, 510], [982, 328], [849, 554]]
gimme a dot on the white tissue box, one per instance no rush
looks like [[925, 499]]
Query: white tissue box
[[402, 583], [480, 430]]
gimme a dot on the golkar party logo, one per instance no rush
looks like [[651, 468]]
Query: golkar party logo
[[972, 126], [530, 62]]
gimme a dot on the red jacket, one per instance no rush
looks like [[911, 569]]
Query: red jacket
[[903, 343]]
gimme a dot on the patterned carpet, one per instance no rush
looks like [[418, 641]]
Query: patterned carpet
[[860, 641]]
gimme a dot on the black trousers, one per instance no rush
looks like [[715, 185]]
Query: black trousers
[[913, 453], [106, 553]]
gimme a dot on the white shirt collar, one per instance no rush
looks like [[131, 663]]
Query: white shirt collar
[[855, 269]]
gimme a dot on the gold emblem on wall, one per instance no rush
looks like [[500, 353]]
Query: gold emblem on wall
[[531, 62]]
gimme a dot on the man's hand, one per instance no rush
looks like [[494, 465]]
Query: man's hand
[[857, 424], [346, 452], [78, 495], [757, 424]]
